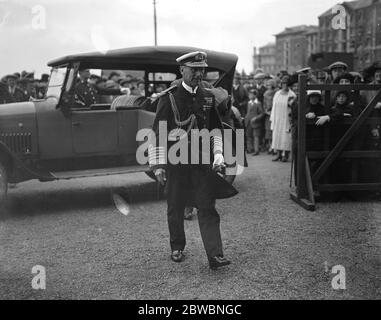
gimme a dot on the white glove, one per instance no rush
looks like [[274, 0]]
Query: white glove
[[310, 115], [125, 91], [378, 105], [218, 160], [322, 120], [160, 176]]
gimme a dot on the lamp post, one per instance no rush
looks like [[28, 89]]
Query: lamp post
[[155, 21]]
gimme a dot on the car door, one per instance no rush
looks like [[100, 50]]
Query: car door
[[94, 131]]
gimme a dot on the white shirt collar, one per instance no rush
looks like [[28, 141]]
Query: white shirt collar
[[189, 89]]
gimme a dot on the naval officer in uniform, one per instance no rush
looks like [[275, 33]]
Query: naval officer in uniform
[[189, 106]]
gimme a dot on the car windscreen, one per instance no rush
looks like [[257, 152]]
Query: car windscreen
[[57, 78]]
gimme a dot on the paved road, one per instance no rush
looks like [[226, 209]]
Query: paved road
[[92, 251]]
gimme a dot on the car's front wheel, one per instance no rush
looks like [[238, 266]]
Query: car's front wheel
[[3, 186]]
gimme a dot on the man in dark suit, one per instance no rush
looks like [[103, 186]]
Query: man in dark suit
[[4, 94], [15, 94], [260, 86], [240, 96], [189, 106]]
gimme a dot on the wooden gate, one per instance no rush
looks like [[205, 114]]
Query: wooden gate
[[306, 182]]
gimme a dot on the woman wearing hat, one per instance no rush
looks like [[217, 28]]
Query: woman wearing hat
[[357, 100], [375, 72], [280, 120]]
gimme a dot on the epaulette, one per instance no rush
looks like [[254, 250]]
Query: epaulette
[[164, 92]]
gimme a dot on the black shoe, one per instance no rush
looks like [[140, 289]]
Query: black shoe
[[284, 159], [177, 256], [255, 154], [276, 159], [217, 262]]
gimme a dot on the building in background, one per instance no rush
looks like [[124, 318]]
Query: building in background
[[312, 37], [265, 59], [294, 45], [362, 33]]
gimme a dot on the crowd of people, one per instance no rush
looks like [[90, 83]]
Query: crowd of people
[[267, 105], [19, 87], [109, 86]]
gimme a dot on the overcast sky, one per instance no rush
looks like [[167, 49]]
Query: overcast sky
[[28, 41]]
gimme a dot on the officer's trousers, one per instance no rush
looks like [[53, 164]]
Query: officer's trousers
[[187, 186]]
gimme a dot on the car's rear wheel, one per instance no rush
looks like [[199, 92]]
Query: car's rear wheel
[[3, 187]]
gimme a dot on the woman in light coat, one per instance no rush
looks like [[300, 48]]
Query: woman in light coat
[[280, 120]]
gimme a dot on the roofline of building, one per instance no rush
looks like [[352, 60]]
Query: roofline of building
[[292, 30]]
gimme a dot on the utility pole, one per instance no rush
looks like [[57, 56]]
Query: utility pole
[[155, 21]]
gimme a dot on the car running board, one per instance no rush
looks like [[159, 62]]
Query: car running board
[[98, 172]]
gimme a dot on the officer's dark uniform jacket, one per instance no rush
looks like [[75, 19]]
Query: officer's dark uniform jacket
[[90, 94], [195, 111], [190, 184]]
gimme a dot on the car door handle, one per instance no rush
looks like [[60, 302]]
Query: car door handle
[[76, 124]]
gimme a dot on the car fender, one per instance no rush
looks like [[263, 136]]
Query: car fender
[[7, 158], [17, 170]]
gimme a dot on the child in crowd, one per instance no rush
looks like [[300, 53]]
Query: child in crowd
[[253, 122], [314, 109], [341, 109]]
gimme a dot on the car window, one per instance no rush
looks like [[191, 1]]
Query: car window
[[70, 80], [57, 78], [212, 76], [161, 76]]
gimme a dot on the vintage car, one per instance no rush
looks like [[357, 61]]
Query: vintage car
[[59, 138]]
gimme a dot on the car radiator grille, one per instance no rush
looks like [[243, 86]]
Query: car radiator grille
[[18, 142]]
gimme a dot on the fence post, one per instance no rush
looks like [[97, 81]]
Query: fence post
[[302, 191]]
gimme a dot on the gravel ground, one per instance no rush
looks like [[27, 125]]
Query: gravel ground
[[278, 250]]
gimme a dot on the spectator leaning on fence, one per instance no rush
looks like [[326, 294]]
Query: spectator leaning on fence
[[341, 109], [357, 99]]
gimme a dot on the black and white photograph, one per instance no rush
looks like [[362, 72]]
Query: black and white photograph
[[188, 156]]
